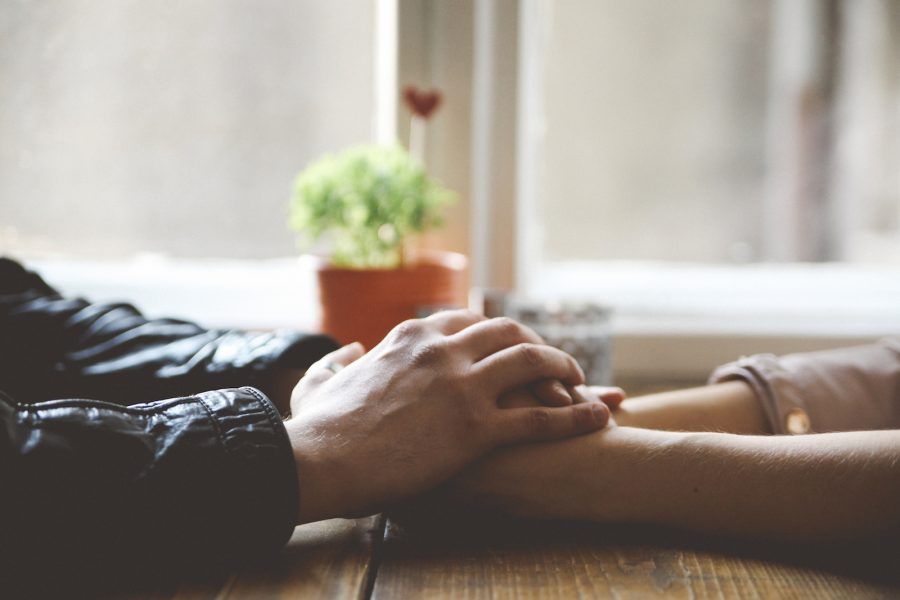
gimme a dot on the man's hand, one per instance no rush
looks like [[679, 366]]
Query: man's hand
[[612, 397], [419, 407]]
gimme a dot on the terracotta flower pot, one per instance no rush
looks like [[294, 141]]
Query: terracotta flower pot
[[365, 304]]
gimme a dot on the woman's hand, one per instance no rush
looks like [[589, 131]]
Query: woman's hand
[[612, 397], [584, 478], [558, 480], [419, 407]]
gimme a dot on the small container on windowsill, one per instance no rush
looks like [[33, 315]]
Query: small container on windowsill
[[582, 329]]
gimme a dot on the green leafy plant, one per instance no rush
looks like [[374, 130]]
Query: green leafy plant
[[367, 201]]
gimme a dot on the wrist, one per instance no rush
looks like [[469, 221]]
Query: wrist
[[640, 467], [727, 407], [627, 417], [648, 412], [319, 493]]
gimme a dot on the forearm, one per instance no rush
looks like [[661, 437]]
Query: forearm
[[730, 407], [779, 487], [180, 482], [784, 487], [846, 389], [57, 347]]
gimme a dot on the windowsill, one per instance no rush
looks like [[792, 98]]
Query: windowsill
[[671, 321], [249, 294], [678, 321], [805, 300]]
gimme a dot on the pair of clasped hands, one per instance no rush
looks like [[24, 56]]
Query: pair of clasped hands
[[370, 429]]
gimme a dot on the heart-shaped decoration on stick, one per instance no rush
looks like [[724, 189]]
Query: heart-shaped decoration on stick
[[422, 103]]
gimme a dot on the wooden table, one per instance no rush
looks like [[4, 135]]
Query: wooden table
[[443, 557], [377, 558]]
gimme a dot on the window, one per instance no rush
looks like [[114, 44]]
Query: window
[[651, 137], [724, 173], [714, 132], [172, 127]]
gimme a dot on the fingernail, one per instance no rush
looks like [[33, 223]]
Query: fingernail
[[561, 391], [577, 396], [600, 412]]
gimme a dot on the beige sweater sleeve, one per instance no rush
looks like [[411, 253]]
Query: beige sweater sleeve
[[846, 389]]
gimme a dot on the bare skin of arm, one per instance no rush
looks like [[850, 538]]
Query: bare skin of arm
[[821, 486], [729, 407], [420, 406]]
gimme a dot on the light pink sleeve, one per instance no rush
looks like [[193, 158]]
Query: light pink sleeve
[[846, 389]]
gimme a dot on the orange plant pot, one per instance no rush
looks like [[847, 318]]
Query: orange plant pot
[[365, 304]]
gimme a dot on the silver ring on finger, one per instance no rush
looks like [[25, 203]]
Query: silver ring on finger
[[331, 366]]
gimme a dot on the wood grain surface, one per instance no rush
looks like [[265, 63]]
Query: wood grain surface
[[520, 560], [490, 558], [329, 559], [434, 555]]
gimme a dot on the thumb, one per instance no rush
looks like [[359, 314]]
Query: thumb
[[325, 368], [611, 396]]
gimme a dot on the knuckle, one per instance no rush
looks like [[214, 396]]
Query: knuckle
[[429, 353], [508, 328], [523, 331], [532, 354], [407, 329], [468, 314]]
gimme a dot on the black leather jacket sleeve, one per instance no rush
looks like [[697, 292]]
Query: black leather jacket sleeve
[[55, 347], [94, 489], [113, 475]]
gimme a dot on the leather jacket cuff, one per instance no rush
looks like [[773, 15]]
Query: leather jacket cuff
[[261, 508], [94, 487]]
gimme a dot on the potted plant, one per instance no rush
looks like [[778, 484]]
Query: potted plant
[[366, 202]]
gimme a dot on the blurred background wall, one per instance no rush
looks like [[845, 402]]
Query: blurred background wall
[[725, 174], [718, 131], [174, 127], [654, 114]]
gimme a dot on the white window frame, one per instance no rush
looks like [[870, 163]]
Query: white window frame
[[672, 321]]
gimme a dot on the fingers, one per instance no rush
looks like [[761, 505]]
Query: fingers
[[322, 370], [492, 335], [343, 356], [520, 425], [522, 398], [524, 364], [611, 396], [550, 392], [450, 322]]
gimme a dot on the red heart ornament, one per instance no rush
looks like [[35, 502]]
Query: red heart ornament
[[420, 102]]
